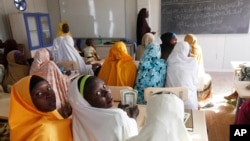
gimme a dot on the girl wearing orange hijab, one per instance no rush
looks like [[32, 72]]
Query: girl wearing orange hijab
[[118, 69], [33, 114]]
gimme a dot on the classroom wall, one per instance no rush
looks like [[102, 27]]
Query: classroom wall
[[218, 49], [7, 7]]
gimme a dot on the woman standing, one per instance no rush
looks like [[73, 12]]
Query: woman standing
[[142, 26]]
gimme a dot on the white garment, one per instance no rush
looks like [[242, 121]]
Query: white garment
[[64, 51], [164, 121], [97, 124], [182, 72]]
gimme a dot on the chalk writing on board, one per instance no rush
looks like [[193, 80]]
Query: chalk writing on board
[[205, 16]]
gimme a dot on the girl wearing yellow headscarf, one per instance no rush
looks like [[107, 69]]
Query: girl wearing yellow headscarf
[[32, 113], [118, 69], [205, 80], [61, 29]]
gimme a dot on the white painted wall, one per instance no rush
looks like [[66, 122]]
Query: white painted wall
[[218, 49]]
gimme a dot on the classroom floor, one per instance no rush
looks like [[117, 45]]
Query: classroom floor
[[221, 115]]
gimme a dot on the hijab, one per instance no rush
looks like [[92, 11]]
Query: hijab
[[43, 66], [166, 46], [146, 39], [14, 71], [164, 120], [118, 68], [60, 29], [196, 51], [97, 124], [183, 71], [28, 123], [142, 26]]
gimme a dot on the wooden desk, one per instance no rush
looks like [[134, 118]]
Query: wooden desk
[[4, 105], [199, 132]]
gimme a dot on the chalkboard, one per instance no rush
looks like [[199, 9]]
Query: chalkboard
[[94, 18], [205, 16]]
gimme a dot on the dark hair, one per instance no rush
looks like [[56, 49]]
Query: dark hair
[[88, 41], [65, 28], [35, 80], [10, 44]]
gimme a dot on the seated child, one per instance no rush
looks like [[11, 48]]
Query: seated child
[[90, 52], [33, 114], [93, 118]]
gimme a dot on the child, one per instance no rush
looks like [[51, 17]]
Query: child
[[93, 116], [90, 52], [33, 114]]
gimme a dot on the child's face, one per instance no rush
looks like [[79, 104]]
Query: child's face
[[100, 96], [43, 97]]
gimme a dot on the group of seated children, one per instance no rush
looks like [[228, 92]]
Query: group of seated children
[[34, 114]]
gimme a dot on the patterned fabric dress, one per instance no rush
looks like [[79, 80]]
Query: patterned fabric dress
[[151, 71]]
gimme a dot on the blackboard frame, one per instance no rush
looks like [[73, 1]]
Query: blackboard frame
[[205, 16]]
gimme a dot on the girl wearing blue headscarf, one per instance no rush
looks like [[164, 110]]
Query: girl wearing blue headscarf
[[151, 71]]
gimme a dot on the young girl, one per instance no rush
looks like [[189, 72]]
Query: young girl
[[93, 118], [33, 114]]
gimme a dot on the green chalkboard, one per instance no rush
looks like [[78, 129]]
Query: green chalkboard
[[205, 16]]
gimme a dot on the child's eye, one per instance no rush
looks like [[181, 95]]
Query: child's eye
[[39, 94], [98, 93], [49, 88]]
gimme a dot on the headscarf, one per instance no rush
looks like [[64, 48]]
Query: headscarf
[[166, 46], [142, 26], [182, 71], [64, 50], [98, 124], [151, 70], [9, 46], [146, 39], [118, 69], [28, 123], [60, 29], [14, 71], [196, 52], [163, 122], [44, 67]]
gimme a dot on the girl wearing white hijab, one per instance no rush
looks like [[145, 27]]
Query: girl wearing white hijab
[[182, 71], [64, 49], [164, 121], [92, 116]]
